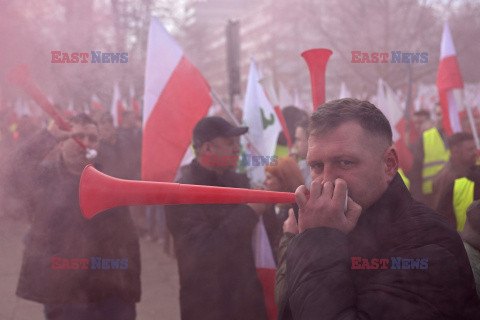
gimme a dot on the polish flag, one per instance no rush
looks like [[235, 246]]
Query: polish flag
[[120, 109], [135, 105], [448, 80], [117, 106], [265, 265], [387, 102], [176, 98], [70, 111], [96, 104]]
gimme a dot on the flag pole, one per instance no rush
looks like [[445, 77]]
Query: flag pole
[[408, 104], [470, 119], [232, 117]]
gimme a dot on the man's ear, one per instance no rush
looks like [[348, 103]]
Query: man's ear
[[390, 160]]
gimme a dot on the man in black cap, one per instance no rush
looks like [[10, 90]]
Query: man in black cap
[[213, 242]]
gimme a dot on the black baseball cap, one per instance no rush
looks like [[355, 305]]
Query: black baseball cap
[[210, 128]]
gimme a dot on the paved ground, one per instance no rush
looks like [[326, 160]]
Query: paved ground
[[159, 279]]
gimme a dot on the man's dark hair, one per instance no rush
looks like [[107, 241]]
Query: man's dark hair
[[457, 138], [332, 114], [422, 113], [82, 119], [292, 116]]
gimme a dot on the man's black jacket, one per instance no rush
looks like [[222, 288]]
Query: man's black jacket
[[59, 230], [213, 244], [322, 285]]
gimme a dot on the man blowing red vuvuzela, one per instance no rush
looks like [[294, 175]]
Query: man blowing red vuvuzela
[[350, 148], [77, 268]]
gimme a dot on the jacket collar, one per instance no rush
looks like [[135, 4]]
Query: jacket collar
[[375, 223], [202, 176], [394, 197]]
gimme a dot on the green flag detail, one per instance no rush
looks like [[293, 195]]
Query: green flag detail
[[267, 122]]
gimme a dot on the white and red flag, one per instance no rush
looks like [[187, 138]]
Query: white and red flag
[[176, 98], [96, 104], [265, 265], [135, 105], [388, 104], [448, 80], [70, 111], [387, 101], [117, 106]]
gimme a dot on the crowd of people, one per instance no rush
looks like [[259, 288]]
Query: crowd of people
[[366, 240]]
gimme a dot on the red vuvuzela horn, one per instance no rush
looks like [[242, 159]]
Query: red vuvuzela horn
[[20, 75], [317, 64], [99, 192]]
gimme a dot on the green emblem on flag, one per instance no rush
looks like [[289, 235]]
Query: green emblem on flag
[[267, 122]]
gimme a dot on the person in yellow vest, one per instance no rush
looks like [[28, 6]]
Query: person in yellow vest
[[458, 196], [463, 157], [430, 155]]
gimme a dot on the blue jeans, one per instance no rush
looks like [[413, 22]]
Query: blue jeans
[[113, 308]]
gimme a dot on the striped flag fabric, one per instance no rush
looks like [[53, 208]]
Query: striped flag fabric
[[135, 105], [176, 97], [388, 103], [96, 104], [265, 265], [448, 80], [116, 108]]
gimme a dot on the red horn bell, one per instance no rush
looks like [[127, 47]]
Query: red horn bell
[[317, 64], [99, 192], [20, 75]]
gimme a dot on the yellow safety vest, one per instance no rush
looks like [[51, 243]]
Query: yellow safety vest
[[435, 157], [404, 178], [281, 151], [462, 198]]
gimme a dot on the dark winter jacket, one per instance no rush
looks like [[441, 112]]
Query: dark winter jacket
[[327, 275], [59, 230], [213, 245]]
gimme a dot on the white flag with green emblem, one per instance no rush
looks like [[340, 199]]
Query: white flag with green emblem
[[264, 127]]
